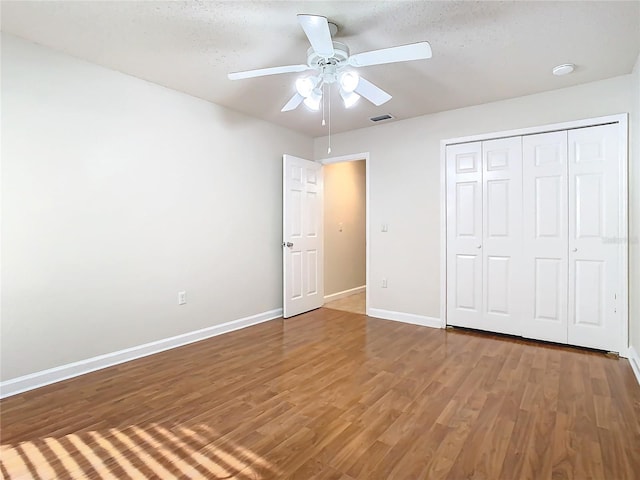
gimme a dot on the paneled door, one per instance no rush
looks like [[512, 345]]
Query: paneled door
[[545, 236], [484, 248], [302, 240], [594, 197], [535, 233], [502, 235], [464, 235]]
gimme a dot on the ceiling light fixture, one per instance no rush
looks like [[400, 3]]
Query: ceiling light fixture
[[349, 81], [313, 99], [305, 85], [349, 98], [564, 69], [310, 88], [332, 62]]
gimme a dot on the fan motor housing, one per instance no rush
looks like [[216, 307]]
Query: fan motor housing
[[340, 55]]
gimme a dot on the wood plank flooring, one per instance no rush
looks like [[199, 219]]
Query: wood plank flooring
[[335, 395], [355, 303]]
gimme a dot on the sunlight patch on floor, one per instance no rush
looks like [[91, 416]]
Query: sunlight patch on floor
[[133, 452]]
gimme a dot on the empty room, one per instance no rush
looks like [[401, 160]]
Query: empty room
[[359, 240]]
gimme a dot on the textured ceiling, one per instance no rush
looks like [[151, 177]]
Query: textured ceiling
[[482, 51]]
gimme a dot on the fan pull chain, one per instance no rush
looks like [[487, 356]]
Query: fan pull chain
[[323, 101], [329, 149]]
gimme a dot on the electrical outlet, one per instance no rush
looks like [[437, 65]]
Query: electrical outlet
[[384, 283], [384, 227], [182, 298]]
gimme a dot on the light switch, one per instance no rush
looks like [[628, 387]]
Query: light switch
[[384, 228]]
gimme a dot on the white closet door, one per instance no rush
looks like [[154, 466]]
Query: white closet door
[[502, 235], [464, 234], [545, 236], [593, 232]]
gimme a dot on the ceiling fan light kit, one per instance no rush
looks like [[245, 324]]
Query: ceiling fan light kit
[[349, 81], [305, 85], [349, 98], [313, 100], [333, 63]]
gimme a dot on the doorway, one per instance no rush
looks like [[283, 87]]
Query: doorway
[[345, 233]]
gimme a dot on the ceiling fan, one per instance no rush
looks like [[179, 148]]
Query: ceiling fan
[[332, 63]]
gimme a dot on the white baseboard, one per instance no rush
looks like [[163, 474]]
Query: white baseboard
[[634, 360], [406, 318], [344, 293], [64, 372]]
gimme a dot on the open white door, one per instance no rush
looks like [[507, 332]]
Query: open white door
[[302, 237]]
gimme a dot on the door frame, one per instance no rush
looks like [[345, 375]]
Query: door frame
[[352, 158], [623, 206]]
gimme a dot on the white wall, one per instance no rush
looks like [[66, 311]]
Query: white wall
[[345, 214], [405, 180], [116, 194], [634, 212]]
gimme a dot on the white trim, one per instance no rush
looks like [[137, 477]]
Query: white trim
[[553, 127], [623, 223], [70, 370], [443, 233], [352, 158], [634, 360], [344, 293], [405, 318], [346, 158], [622, 120]]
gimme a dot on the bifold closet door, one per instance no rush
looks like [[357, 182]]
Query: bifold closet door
[[533, 234], [484, 211], [464, 234], [502, 235], [545, 233], [594, 199]]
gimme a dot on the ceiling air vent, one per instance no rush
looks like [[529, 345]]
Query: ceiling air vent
[[381, 118]]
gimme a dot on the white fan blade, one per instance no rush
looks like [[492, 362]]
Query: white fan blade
[[316, 28], [267, 71], [293, 103], [375, 95], [403, 53]]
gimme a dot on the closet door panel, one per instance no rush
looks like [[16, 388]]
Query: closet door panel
[[593, 233], [467, 275], [545, 239], [547, 305], [497, 286], [502, 238], [548, 192], [464, 235]]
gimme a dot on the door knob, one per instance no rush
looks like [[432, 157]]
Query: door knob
[[574, 249], [287, 244], [479, 246]]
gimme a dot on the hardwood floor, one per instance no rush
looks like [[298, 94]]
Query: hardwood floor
[[335, 395], [355, 303]]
